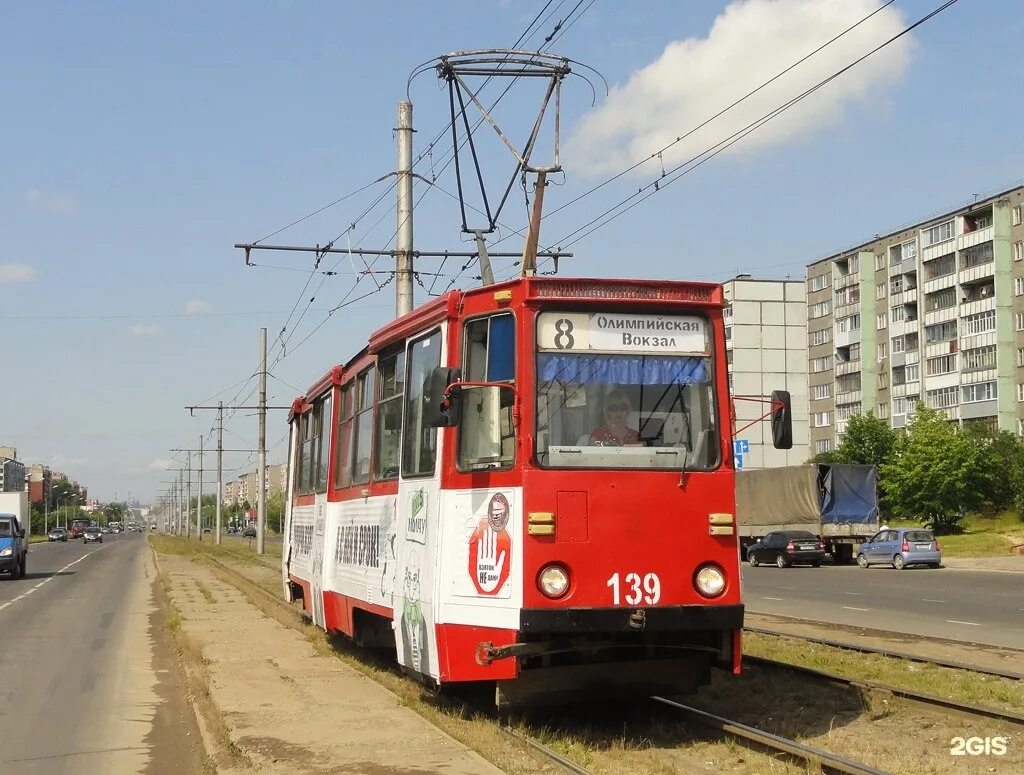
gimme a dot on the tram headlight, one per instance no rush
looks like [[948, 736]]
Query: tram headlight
[[553, 581], [709, 580]]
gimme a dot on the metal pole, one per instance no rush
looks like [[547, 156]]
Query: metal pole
[[261, 483], [181, 503], [403, 241], [533, 236], [188, 502], [220, 465], [199, 499], [46, 505]]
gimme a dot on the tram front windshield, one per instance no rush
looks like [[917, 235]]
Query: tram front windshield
[[626, 410]]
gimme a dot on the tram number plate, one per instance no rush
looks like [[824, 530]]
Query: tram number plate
[[632, 588]]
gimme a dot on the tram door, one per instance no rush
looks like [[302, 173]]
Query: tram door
[[417, 537]]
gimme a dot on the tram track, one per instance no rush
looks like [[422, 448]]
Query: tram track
[[902, 655], [815, 759]]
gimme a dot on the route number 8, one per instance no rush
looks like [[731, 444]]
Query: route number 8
[[564, 339], [647, 589]]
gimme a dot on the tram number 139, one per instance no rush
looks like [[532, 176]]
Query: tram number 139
[[634, 588]]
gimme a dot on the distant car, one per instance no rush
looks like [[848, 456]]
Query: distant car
[[57, 534], [900, 547], [78, 526], [249, 532], [92, 534], [787, 547]]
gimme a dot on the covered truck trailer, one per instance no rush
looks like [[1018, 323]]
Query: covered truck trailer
[[838, 502]]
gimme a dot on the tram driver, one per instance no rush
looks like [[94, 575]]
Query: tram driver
[[614, 432]]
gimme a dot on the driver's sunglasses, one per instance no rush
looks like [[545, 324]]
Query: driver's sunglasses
[[618, 407]]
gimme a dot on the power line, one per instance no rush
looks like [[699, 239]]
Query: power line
[[680, 170]]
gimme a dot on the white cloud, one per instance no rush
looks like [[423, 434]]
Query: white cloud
[[197, 307], [52, 202], [145, 329], [159, 464], [749, 42], [17, 273]]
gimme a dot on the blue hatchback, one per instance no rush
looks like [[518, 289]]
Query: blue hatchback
[[900, 547]]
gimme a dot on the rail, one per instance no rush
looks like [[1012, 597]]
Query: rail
[[815, 758], [938, 661]]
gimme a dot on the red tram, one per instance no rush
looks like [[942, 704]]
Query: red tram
[[531, 484]]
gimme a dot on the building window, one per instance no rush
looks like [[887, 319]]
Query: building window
[[819, 392], [898, 343], [1018, 286], [819, 310], [848, 295], [943, 398], [851, 323], [821, 446], [1015, 215], [977, 256], [879, 261], [821, 419], [943, 299], [896, 284], [880, 291], [940, 267], [913, 372], [1018, 251], [980, 323], [883, 380], [1020, 356], [944, 364], [1020, 395], [822, 336], [847, 411], [936, 234], [980, 358], [882, 411], [940, 332], [820, 282], [897, 314], [880, 321], [821, 364], [1018, 319], [881, 351], [982, 391], [898, 253]]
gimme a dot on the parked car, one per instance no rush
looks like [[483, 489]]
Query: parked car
[[900, 547], [57, 534], [249, 532], [787, 547], [92, 534]]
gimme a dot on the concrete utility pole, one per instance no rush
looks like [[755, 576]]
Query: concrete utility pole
[[533, 236], [188, 503], [220, 465], [261, 483], [199, 500], [46, 507], [403, 241]]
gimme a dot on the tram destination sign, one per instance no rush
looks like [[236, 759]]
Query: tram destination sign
[[618, 332]]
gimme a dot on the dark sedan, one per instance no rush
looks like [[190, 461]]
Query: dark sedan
[[787, 547], [93, 533], [57, 534]]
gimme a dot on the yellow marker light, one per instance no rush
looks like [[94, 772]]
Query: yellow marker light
[[721, 530], [720, 519], [503, 297]]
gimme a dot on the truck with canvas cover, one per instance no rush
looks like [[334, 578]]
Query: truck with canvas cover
[[837, 502]]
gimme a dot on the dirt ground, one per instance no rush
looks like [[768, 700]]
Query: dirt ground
[[288, 709]]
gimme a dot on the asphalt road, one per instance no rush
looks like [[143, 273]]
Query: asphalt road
[[974, 606], [87, 676]]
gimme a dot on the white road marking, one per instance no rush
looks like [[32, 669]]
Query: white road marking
[[856, 594], [773, 598], [28, 592], [851, 608], [929, 600], [954, 621]]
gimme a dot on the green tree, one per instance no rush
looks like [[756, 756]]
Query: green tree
[[999, 478], [932, 475], [275, 511], [867, 440]]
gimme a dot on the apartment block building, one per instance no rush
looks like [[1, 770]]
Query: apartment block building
[[39, 483], [244, 488], [933, 312], [766, 348], [12, 471]]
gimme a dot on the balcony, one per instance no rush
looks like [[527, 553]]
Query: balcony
[[910, 295], [852, 397], [847, 367], [840, 281], [978, 272], [943, 315], [899, 391], [973, 307], [912, 357], [940, 283], [976, 409], [846, 338], [973, 238], [846, 310]]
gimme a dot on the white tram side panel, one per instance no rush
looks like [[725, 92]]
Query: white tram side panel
[[481, 564], [360, 549]]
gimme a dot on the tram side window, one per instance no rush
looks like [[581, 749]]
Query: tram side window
[[306, 446], [486, 432], [391, 376], [363, 430], [302, 430], [342, 469], [322, 424], [419, 446]]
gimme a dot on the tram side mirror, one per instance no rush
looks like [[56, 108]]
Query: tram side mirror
[[782, 420], [442, 399]]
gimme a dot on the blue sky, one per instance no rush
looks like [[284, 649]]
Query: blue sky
[[142, 140]]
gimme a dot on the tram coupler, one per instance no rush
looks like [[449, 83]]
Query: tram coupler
[[487, 652]]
